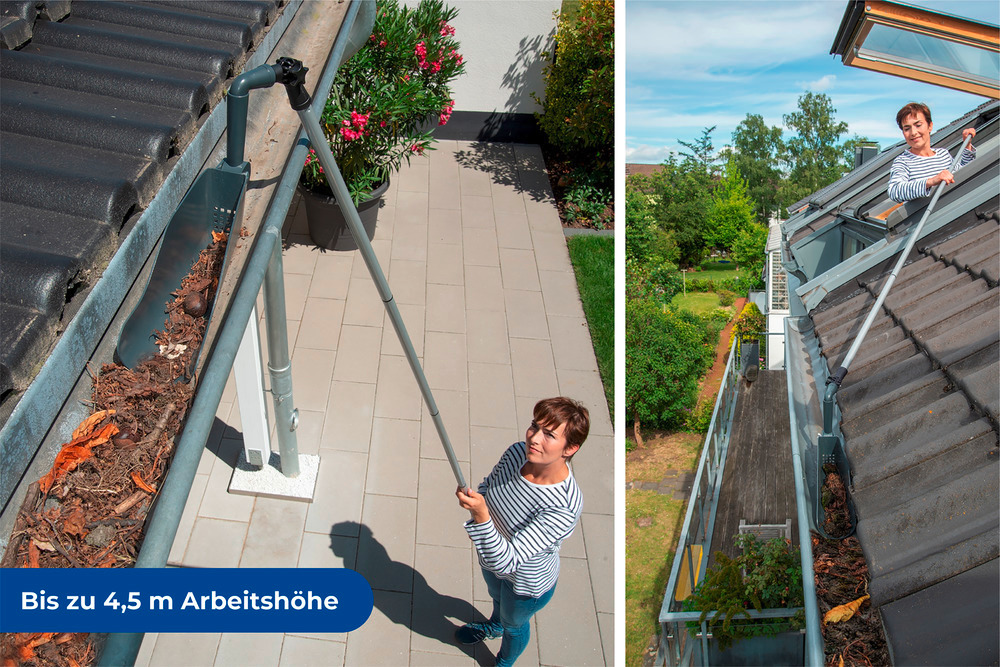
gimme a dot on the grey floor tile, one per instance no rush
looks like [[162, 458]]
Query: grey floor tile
[[483, 289], [393, 458], [275, 533], [445, 264], [586, 387], [513, 230], [593, 467], [445, 308], [487, 337], [525, 314], [188, 517], [409, 239], [442, 599], [445, 361], [309, 434], [445, 226], [299, 258], [320, 325], [444, 191], [364, 305], [413, 320], [386, 542], [491, 395], [184, 650], [599, 532], [574, 349], [397, 394], [385, 638], [426, 659], [533, 369], [543, 216], [249, 649], [311, 371], [440, 519], [568, 632], [330, 551], [560, 294], [407, 279], [218, 503], [507, 200], [488, 444], [358, 355], [477, 212], [413, 177], [551, 252], [519, 270], [349, 412], [383, 250], [306, 652], [331, 276], [607, 624], [215, 543], [479, 246], [340, 488], [474, 183], [574, 546], [296, 289], [453, 408], [146, 650], [411, 208]]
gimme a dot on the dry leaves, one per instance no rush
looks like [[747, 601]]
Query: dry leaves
[[843, 612]]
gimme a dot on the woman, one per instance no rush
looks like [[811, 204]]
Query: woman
[[918, 169], [521, 514]]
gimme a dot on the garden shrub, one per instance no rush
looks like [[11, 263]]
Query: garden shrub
[[726, 297], [578, 109], [699, 419], [750, 321]]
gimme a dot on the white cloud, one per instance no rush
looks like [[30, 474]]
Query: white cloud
[[820, 85], [646, 154]]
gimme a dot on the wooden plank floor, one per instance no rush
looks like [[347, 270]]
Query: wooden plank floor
[[757, 483]]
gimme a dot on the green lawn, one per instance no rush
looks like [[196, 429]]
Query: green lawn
[[699, 303], [651, 524], [714, 270], [593, 260]]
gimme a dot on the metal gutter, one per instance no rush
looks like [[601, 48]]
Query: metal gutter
[[39, 407]]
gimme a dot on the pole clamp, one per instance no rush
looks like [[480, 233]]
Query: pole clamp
[[290, 73], [838, 377]]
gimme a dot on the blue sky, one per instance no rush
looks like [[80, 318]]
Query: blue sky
[[691, 65]]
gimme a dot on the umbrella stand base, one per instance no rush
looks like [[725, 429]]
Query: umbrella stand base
[[269, 482]]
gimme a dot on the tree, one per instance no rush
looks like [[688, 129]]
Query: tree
[[814, 152], [732, 210], [757, 150], [748, 252], [682, 192], [702, 152], [847, 150]]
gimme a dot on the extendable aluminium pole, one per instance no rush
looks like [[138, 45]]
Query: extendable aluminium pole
[[294, 81]]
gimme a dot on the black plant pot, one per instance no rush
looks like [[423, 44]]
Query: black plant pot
[[327, 224]]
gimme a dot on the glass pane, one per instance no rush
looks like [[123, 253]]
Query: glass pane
[[931, 54]]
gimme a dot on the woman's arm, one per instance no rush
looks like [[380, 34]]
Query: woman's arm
[[505, 556]]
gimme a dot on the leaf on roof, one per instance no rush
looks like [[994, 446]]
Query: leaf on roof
[[843, 612]]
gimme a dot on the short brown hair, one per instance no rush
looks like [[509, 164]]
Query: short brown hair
[[562, 410], [911, 109]]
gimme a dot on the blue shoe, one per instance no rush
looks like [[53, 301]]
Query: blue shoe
[[473, 633]]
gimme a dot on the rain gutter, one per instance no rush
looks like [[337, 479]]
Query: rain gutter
[[39, 408]]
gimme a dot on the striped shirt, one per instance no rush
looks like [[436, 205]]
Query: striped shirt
[[909, 173], [528, 522]]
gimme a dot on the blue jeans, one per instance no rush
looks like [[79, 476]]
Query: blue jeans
[[512, 616]]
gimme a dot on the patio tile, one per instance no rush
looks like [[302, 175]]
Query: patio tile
[[396, 392], [445, 308], [349, 413], [567, 628], [311, 371], [410, 239], [188, 517], [599, 534], [593, 467], [330, 551], [385, 221], [383, 250], [551, 251], [384, 639], [533, 368], [474, 182], [518, 269], [444, 224], [296, 289], [607, 624], [488, 444], [146, 649], [572, 345], [439, 516], [275, 533], [340, 486], [542, 216], [442, 597], [197, 649], [358, 354], [443, 189], [218, 503], [513, 231], [425, 659], [332, 275], [491, 395], [483, 288], [386, 542], [453, 408], [301, 651], [413, 320], [309, 434], [215, 543], [586, 387], [507, 200], [393, 458], [321, 322], [487, 337], [445, 361], [445, 264], [560, 294], [413, 177], [299, 259], [364, 305], [480, 247], [249, 648], [525, 314], [407, 280]]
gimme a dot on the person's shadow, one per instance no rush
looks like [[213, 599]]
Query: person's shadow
[[430, 613]]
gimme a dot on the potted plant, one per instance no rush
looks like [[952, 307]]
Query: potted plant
[[381, 103]]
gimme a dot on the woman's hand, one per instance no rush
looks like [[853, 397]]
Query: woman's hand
[[475, 503], [944, 177], [968, 132]]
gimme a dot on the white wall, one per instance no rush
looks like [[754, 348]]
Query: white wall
[[502, 41]]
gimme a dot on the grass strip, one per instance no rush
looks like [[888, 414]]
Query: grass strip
[[593, 259]]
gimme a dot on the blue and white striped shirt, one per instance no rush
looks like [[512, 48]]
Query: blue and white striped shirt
[[909, 173], [528, 523]]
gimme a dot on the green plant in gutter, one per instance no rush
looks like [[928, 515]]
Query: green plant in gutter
[[386, 95], [766, 575]]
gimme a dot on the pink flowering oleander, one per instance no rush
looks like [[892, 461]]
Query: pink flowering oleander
[[446, 30]]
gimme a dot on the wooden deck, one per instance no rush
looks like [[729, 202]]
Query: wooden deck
[[757, 483]]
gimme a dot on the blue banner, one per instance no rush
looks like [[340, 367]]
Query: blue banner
[[183, 600]]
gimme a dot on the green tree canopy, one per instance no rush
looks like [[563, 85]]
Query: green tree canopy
[[757, 151], [731, 210], [814, 153]]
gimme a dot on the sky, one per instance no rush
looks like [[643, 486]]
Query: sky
[[692, 65]]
